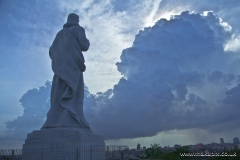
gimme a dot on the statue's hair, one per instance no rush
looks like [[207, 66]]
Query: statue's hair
[[72, 20]]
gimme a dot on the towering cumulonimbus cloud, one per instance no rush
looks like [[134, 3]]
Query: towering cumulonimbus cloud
[[167, 75], [176, 75]]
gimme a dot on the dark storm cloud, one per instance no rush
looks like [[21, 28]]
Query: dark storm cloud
[[35, 103], [181, 90], [163, 69], [217, 77], [233, 96], [164, 61]]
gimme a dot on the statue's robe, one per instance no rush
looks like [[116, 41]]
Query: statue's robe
[[67, 86]]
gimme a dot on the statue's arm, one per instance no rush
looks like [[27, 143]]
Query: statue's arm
[[84, 42]]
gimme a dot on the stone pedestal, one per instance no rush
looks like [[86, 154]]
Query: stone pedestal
[[63, 144]]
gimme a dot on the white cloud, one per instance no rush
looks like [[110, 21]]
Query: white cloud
[[233, 45]]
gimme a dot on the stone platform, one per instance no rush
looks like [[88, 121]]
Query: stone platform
[[63, 144]]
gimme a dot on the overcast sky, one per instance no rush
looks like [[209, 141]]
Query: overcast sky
[[158, 71]]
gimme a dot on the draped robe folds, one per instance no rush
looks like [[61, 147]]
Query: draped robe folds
[[67, 86]]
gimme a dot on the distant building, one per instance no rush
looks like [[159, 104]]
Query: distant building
[[222, 141], [229, 146], [138, 146], [215, 146], [106, 148], [235, 140]]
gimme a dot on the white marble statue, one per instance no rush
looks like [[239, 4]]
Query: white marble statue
[[66, 128], [67, 86]]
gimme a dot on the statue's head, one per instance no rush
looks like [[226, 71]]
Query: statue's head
[[72, 20]]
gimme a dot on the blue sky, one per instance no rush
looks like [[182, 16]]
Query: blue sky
[[148, 79]]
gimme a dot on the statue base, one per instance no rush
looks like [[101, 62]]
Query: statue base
[[63, 144]]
